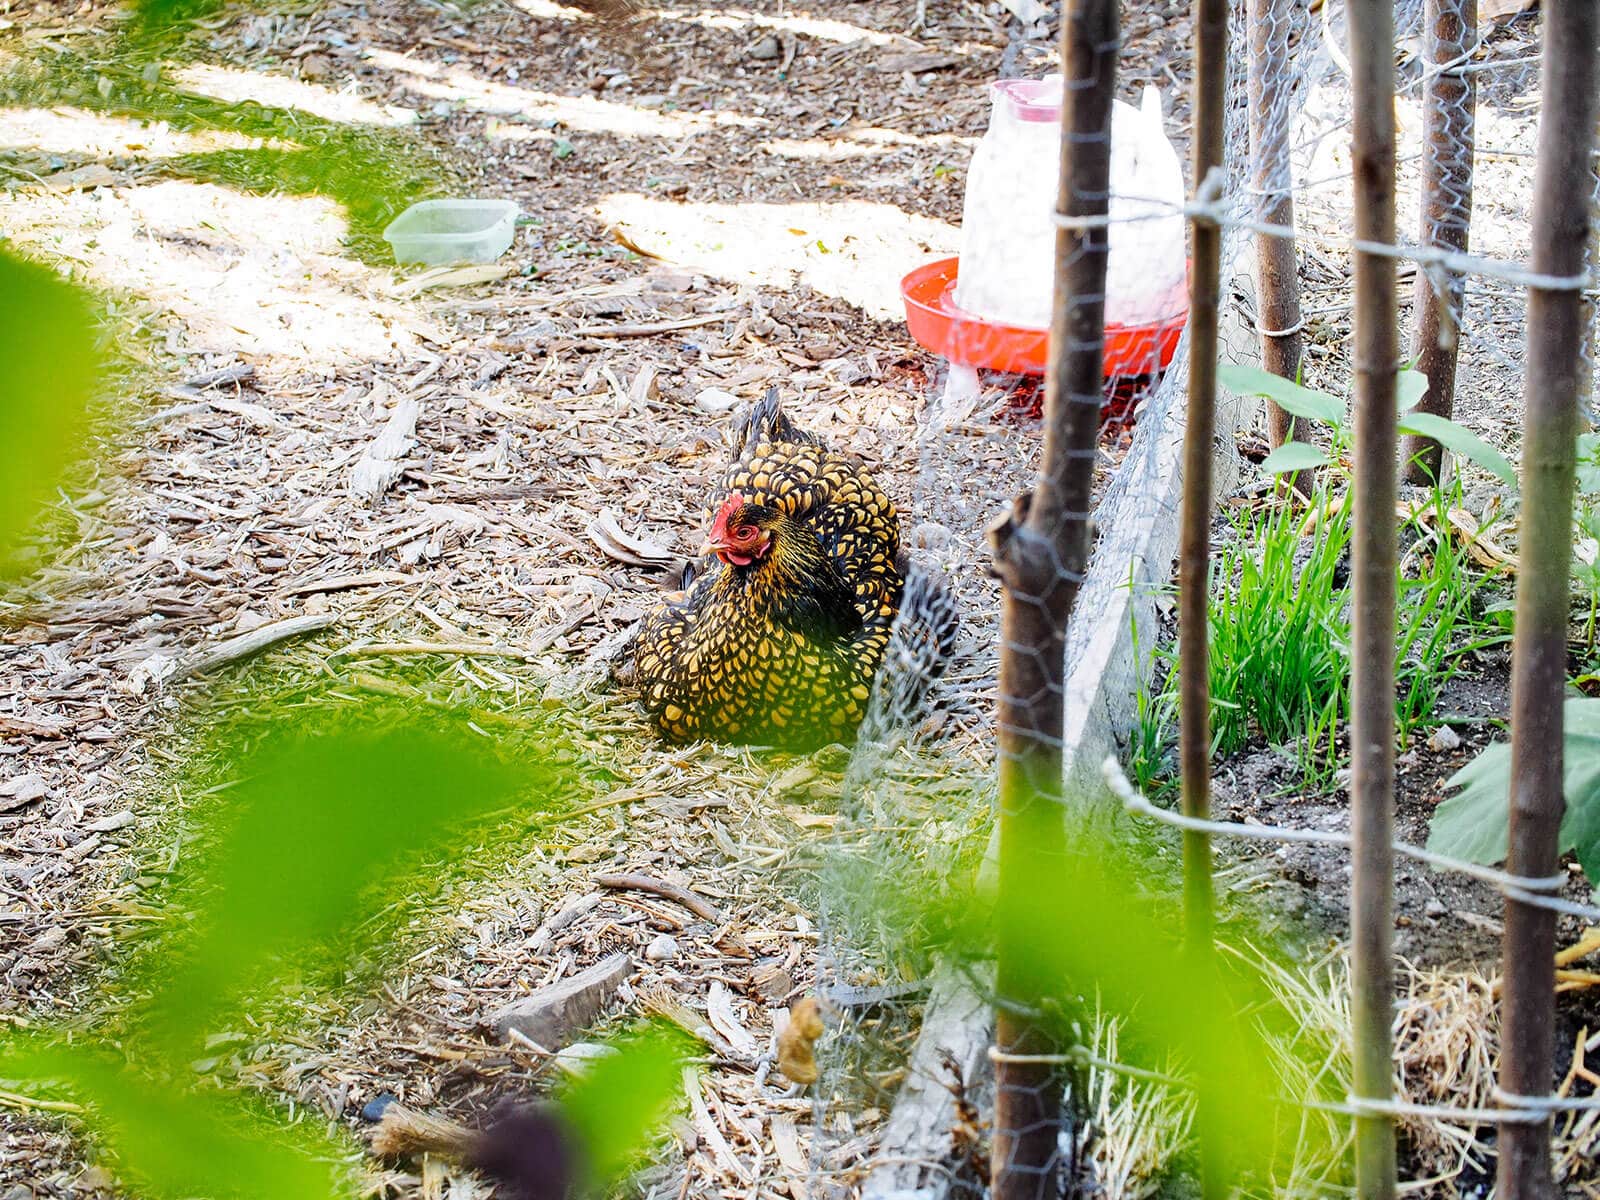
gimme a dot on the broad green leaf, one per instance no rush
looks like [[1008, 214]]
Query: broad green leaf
[[621, 1099], [1458, 439], [52, 369], [1410, 387], [1473, 824], [1588, 462], [1293, 456], [172, 1143], [1580, 825], [1291, 397]]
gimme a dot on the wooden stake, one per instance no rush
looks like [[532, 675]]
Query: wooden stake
[[1450, 27], [1041, 549], [1194, 552], [1563, 183], [1373, 571], [1277, 276], [1194, 556]]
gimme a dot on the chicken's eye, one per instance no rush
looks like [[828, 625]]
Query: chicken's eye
[[746, 533]]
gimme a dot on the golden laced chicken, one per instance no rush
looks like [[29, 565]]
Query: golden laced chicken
[[779, 640]]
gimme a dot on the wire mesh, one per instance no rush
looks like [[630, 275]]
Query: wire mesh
[[918, 799]]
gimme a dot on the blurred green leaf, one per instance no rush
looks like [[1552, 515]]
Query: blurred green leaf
[[171, 1142], [322, 817], [1293, 456], [1291, 397], [52, 370], [622, 1098], [1460, 440], [1095, 933]]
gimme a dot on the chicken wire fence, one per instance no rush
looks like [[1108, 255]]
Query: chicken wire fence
[[921, 791]]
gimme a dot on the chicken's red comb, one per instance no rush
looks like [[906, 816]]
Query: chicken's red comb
[[731, 505]]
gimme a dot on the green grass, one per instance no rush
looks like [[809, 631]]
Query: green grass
[[1443, 615], [1279, 633]]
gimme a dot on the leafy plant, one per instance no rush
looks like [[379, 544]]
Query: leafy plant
[[1280, 635], [1441, 614], [1279, 625], [1328, 410], [1474, 823]]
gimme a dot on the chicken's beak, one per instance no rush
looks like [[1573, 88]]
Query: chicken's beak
[[711, 546]]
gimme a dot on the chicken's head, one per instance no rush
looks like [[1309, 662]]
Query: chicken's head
[[741, 532]]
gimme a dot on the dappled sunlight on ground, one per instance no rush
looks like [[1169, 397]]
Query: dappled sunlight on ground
[[827, 30], [862, 143], [853, 249], [584, 113], [820, 150], [263, 275], [76, 131], [279, 91]]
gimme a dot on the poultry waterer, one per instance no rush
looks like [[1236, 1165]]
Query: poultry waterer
[[996, 311]]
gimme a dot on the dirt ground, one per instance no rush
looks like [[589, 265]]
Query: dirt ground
[[716, 200]]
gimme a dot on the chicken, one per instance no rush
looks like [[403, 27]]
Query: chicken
[[779, 640]]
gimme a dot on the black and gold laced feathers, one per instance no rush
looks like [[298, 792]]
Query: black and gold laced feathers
[[778, 641]]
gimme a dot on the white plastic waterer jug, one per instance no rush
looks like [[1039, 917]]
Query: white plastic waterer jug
[[1007, 271]]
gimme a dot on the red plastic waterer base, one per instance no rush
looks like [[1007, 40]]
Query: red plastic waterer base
[[938, 325]]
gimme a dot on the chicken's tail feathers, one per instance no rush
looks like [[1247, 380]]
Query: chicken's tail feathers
[[929, 624], [921, 645], [765, 421]]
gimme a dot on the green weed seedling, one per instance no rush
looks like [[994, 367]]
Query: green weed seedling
[[1442, 616], [1155, 718]]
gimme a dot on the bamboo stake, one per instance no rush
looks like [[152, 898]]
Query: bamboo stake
[[1040, 551], [1194, 554], [1562, 186], [1373, 571], [1278, 317], [1451, 30]]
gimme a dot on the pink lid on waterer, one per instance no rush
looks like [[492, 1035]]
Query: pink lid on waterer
[[1031, 99]]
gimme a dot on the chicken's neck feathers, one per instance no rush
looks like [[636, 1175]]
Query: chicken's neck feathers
[[796, 583]]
